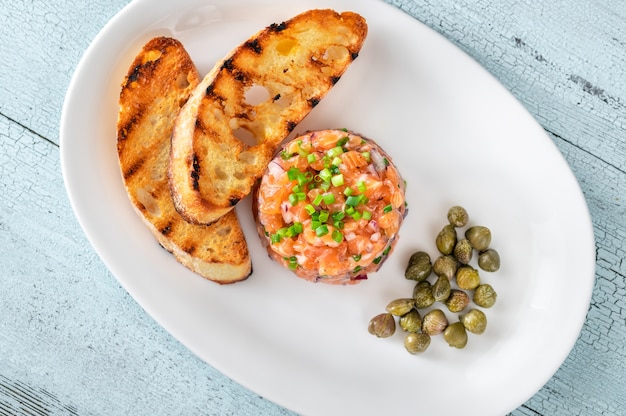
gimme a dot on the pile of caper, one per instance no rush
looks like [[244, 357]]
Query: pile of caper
[[455, 285]]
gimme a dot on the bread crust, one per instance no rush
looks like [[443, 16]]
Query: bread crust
[[157, 85], [295, 63]]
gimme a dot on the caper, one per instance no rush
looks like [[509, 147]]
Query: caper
[[455, 335], [463, 251], [419, 267], [446, 239], [382, 325], [399, 307], [479, 236], [411, 321], [423, 295], [441, 288], [475, 321], [485, 296], [446, 266], [434, 322], [457, 301], [489, 260], [416, 343], [457, 216], [467, 278]]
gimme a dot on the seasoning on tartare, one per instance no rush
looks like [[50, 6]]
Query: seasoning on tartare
[[329, 206]]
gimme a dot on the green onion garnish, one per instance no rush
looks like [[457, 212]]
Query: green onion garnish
[[322, 230], [325, 175], [348, 191], [339, 215], [343, 141], [353, 200], [334, 152], [318, 199], [388, 208], [311, 158], [367, 215], [357, 257], [337, 236], [337, 180], [310, 209], [329, 198]]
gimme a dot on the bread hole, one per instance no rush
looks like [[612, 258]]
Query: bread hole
[[248, 157], [256, 95], [240, 175], [224, 231], [245, 136], [336, 53], [285, 46], [182, 81], [219, 173], [150, 56], [150, 203]]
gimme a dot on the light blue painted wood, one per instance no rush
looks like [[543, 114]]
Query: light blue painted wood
[[98, 353]]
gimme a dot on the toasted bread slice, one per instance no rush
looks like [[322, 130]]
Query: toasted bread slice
[[158, 83], [263, 88]]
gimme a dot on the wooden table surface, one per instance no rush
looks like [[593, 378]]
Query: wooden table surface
[[73, 342]]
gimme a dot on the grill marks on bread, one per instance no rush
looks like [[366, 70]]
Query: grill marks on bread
[[297, 61], [157, 85]]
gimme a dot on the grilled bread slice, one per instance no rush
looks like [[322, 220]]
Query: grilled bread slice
[[234, 121], [158, 83]]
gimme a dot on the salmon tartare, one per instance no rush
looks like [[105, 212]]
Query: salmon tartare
[[329, 206]]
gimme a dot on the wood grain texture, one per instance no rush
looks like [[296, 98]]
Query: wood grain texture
[[98, 353]]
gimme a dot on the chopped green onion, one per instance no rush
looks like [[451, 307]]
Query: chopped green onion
[[325, 175], [339, 225], [311, 158], [357, 269], [315, 224], [275, 238], [325, 186], [377, 260], [343, 141], [386, 161], [353, 200], [310, 209], [335, 151], [361, 186], [337, 180], [344, 129], [322, 230], [323, 216], [339, 215], [387, 250], [318, 199], [348, 191], [367, 215], [388, 208], [297, 227], [337, 236], [366, 156], [329, 198], [350, 210], [301, 196], [293, 199], [293, 173], [356, 216], [357, 257], [336, 161], [293, 262]]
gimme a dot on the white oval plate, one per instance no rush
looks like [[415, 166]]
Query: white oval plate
[[457, 136]]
